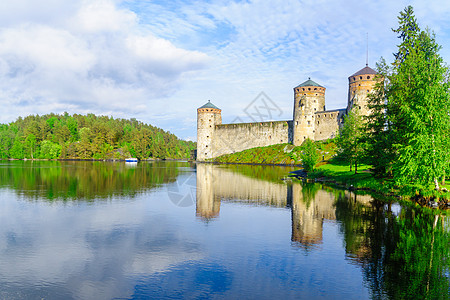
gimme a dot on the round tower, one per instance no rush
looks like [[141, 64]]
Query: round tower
[[208, 116], [309, 98], [360, 85]]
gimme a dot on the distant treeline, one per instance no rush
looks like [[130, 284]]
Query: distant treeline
[[87, 137]]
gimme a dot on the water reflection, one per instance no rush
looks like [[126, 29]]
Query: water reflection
[[310, 204], [249, 235], [403, 252], [84, 180]]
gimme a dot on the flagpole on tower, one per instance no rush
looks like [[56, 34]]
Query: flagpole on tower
[[367, 49]]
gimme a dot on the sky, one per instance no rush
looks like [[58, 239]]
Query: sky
[[158, 61]]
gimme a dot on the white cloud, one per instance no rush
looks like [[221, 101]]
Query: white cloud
[[134, 58], [102, 16], [100, 60]]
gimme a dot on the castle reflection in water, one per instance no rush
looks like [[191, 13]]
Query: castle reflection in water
[[311, 204]]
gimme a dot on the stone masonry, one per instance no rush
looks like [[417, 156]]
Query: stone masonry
[[310, 120]]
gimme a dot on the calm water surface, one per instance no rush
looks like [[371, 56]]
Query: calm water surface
[[99, 230]]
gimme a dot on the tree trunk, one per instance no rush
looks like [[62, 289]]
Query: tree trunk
[[436, 184], [443, 179], [356, 167], [351, 164], [436, 219]]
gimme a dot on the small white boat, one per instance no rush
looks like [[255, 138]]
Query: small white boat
[[131, 159]]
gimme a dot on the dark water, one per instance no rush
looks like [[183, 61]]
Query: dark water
[[95, 230]]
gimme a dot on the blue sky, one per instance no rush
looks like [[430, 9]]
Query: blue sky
[[157, 61]]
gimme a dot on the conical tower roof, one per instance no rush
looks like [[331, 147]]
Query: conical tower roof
[[365, 71], [209, 105], [308, 82]]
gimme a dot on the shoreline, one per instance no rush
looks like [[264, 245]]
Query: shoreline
[[246, 164], [93, 159], [430, 202]]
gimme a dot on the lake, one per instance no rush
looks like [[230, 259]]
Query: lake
[[171, 230]]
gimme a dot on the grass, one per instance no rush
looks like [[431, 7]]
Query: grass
[[336, 172], [339, 173], [285, 154]]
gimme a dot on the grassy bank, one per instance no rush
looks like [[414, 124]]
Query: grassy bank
[[285, 154], [338, 173], [332, 171]]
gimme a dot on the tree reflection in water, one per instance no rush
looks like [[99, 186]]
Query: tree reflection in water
[[403, 252], [84, 180]]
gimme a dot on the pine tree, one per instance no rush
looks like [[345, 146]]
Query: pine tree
[[421, 104], [416, 103], [379, 152], [350, 140]]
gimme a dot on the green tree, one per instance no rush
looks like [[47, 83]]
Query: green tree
[[309, 155], [30, 143], [418, 106], [377, 134], [350, 140], [50, 150], [17, 149]]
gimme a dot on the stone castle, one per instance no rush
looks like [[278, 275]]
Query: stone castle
[[310, 120]]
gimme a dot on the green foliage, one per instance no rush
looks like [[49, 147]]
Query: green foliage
[[349, 142], [72, 137], [50, 150], [285, 154], [377, 136], [309, 155], [408, 129], [403, 255]]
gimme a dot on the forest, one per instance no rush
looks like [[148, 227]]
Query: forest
[[76, 136]]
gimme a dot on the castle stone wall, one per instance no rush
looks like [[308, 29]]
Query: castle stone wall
[[307, 101], [310, 120], [328, 123], [231, 138], [207, 119]]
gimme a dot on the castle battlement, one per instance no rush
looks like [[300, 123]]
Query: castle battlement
[[310, 120]]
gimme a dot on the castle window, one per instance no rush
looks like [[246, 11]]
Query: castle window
[[303, 88], [296, 122], [354, 78], [270, 137], [315, 100], [315, 89], [360, 77], [317, 122], [210, 126], [368, 77], [309, 89], [210, 120], [359, 107], [325, 115], [206, 153], [314, 109], [207, 136], [368, 90], [206, 146], [304, 137], [309, 122]]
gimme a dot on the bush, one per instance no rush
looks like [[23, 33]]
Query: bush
[[309, 155]]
